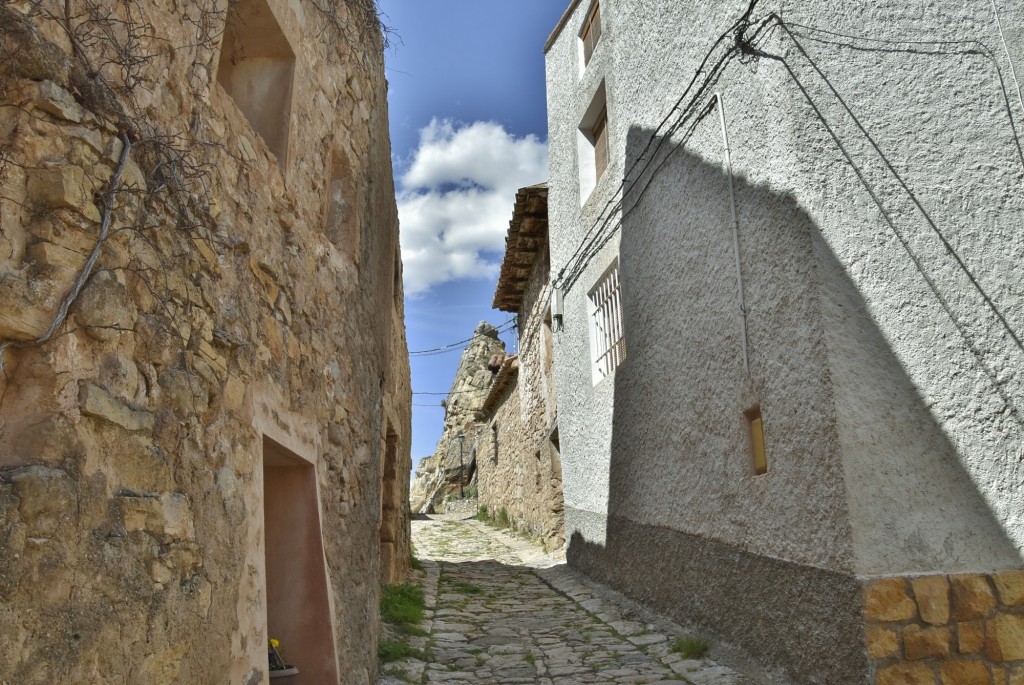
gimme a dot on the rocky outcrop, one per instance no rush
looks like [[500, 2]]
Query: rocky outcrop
[[438, 475]]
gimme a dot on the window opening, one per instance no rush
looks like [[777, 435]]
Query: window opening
[[591, 33], [256, 69], [757, 450], [593, 151], [608, 335]]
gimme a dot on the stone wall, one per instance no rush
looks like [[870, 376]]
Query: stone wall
[[239, 343], [518, 463], [963, 629], [518, 468], [438, 476]]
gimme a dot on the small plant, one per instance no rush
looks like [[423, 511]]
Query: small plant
[[389, 650], [416, 564], [503, 520], [464, 588], [275, 655], [402, 604], [691, 646], [483, 514], [530, 658]]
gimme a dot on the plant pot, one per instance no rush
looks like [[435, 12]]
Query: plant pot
[[284, 672]]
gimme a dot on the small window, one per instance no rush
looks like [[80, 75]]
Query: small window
[[591, 33], [757, 450], [609, 341], [592, 143], [256, 70]]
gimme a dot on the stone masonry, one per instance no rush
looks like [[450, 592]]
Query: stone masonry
[[964, 629], [199, 456], [518, 465], [500, 610]]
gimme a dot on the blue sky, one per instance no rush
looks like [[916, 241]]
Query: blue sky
[[468, 128]]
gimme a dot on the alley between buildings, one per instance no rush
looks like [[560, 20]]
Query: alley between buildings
[[501, 610]]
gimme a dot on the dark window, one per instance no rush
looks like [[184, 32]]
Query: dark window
[[591, 32]]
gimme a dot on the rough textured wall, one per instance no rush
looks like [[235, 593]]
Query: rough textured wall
[[220, 320], [876, 184], [518, 468], [437, 476], [518, 464]]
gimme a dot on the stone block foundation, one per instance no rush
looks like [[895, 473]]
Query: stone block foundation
[[965, 629]]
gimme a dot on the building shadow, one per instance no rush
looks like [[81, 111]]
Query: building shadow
[[867, 475]]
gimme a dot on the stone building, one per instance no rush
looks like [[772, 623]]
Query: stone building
[[204, 405], [447, 472], [786, 236], [518, 468]]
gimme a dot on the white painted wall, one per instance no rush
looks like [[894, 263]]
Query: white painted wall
[[891, 391]]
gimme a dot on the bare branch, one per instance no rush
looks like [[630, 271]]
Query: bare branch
[[90, 263]]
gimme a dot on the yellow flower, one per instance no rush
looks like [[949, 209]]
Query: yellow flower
[[274, 643]]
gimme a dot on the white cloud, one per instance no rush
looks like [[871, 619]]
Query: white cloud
[[456, 199]]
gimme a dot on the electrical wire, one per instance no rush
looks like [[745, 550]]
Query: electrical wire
[[607, 223], [461, 344], [453, 392]]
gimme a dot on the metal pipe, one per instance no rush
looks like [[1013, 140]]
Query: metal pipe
[[735, 235]]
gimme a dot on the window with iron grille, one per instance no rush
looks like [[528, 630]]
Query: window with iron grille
[[591, 32], [609, 341]]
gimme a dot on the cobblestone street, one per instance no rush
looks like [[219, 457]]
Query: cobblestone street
[[501, 610]]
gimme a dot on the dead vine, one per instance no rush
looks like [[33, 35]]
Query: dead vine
[[108, 201]]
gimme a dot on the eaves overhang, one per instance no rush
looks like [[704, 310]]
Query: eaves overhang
[[527, 236]]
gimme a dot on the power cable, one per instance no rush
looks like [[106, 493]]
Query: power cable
[[461, 344], [606, 225]]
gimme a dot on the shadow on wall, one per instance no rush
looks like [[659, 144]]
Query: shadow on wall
[[861, 478]]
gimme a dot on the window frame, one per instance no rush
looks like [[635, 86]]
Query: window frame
[[591, 33], [599, 131], [608, 335]]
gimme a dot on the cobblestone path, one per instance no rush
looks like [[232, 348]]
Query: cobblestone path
[[501, 611]]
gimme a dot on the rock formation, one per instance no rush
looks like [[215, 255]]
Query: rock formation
[[437, 476], [198, 196]]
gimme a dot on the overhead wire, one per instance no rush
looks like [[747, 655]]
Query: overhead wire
[[606, 223], [461, 344]]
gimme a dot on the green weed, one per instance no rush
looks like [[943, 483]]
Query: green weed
[[691, 646], [389, 650], [402, 604], [463, 588]]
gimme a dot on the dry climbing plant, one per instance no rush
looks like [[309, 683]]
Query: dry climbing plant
[[114, 50]]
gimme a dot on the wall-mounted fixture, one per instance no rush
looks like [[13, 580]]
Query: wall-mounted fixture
[[556, 308]]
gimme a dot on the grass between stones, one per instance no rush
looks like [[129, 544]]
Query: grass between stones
[[389, 650], [402, 604], [463, 588], [401, 608], [691, 646], [503, 521]]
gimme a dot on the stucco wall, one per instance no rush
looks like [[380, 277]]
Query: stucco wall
[[131, 444], [886, 380]]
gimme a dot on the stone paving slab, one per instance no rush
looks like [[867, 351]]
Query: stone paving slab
[[502, 611]]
